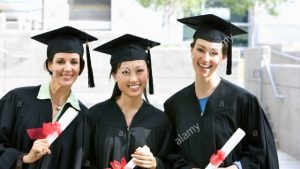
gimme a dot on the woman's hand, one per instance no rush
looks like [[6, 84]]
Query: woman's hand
[[144, 159], [39, 149]]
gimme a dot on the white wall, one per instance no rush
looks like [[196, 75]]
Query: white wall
[[284, 112]]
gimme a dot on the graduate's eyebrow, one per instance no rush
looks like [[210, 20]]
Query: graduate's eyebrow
[[140, 66], [130, 67], [210, 49], [199, 45]]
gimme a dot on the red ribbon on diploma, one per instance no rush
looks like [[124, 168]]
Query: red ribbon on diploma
[[117, 165], [42, 133], [217, 158]]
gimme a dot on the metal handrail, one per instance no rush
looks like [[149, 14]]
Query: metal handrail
[[286, 65], [6, 52], [286, 55], [24, 56], [268, 67]]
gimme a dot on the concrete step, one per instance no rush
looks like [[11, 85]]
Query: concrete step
[[265, 107], [286, 161]]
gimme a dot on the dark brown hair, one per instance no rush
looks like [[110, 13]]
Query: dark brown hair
[[50, 60]]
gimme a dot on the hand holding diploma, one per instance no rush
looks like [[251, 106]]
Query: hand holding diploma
[[218, 158], [142, 157], [51, 131], [46, 135]]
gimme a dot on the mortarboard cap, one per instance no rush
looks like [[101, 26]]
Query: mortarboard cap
[[128, 48], [214, 29], [69, 40]]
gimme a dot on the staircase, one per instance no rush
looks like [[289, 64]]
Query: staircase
[[265, 108]]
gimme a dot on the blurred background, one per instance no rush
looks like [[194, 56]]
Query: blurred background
[[266, 61]]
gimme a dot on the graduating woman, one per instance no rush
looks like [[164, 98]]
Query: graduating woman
[[215, 108], [125, 122], [26, 112]]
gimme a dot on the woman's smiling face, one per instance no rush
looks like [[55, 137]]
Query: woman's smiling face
[[65, 68], [206, 57], [132, 77]]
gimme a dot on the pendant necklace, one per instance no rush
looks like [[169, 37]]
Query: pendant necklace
[[58, 106]]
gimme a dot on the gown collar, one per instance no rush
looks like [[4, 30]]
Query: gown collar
[[44, 93]]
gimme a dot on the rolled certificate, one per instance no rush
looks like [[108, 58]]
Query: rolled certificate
[[218, 158], [130, 164], [64, 121]]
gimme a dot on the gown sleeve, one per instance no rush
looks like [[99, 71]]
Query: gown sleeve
[[259, 150], [8, 110], [88, 146], [165, 147], [175, 158]]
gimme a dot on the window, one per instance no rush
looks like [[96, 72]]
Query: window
[[90, 14]]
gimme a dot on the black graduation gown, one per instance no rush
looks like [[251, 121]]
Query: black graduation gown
[[19, 110], [229, 107], [111, 139]]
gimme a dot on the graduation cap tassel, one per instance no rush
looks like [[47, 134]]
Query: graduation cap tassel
[[229, 56], [146, 97], [89, 66], [151, 89]]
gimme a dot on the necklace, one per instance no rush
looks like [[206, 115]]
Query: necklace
[[58, 106]]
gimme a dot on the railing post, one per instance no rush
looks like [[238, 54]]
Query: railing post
[[265, 60], [261, 84]]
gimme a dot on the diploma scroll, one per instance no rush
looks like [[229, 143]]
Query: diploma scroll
[[52, 130], [218, 158], [69, 115], [130, 164]]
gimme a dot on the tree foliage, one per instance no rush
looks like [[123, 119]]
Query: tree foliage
[[236, 6], [242, 6], [184, 5], [195, 7]]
